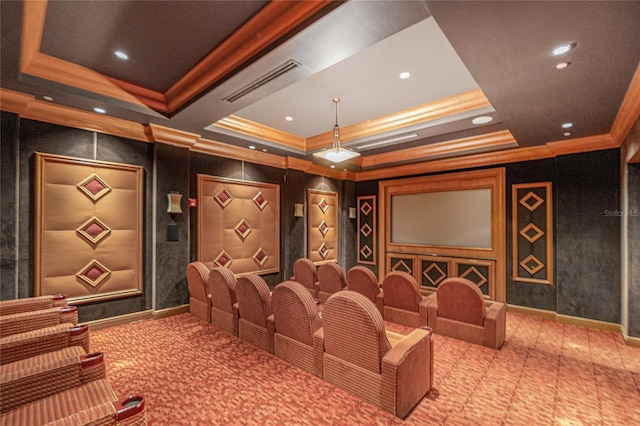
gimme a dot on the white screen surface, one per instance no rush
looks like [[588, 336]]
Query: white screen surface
[[459, 218]]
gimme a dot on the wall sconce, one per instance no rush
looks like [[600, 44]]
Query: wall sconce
[[174, 199], [352, 212], [298, 210]]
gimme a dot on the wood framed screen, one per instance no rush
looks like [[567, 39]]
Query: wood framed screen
[[458, 218], [238, 225], [88, 228], [322, 226]]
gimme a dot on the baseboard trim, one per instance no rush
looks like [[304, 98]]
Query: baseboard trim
[[136, 317], [582, 322]]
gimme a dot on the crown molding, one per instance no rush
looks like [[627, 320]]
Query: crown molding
[[629, 111], [257, 130], [170, 136], [586, 144], [433, 110], [491, 141]]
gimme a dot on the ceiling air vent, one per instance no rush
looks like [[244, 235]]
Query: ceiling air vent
[[261, 81]]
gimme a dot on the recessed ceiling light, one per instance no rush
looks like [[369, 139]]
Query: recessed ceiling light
[[562, 65], [47, 98], [100, 110], [264, 149], [561, 49], [333, 166], [567, 125], [288, 118], [567, 133], [483, 119], [121, 54], [404, 75], [252, 147]]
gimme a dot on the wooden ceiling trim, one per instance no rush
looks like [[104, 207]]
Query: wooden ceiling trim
[[586, 144], [27, 106], [37, 64], [309, 167], [251, 128], [629, 111], [170, 136], [458, 163], [492, 141], [220, 149], [464, 102], [270, 24], [152, 99]]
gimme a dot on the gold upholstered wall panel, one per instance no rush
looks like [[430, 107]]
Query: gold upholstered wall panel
[[88, 228], [238, 225], [322, 226]]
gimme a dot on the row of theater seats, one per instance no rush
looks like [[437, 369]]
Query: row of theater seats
[[48, 376], [456, 309], [343, 341]]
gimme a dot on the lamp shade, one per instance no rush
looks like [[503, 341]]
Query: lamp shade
[[173, 206]]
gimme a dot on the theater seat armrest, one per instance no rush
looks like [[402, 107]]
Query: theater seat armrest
[[423, 310], [432, 310], [380, 302], [236, 317], [271, 324], [407, 368], [318, 352], [495, 323]]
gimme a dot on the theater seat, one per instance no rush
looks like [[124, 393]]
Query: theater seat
[[199, 297], [296, 319], [224, 310], [33, 320], [362, 280], [360, 357], [38, 303], [403, 303], [305, 272], [330, 280], [254, 307], [458, 309]]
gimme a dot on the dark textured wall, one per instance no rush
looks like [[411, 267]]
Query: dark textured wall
[[172, 257], [587, 237], [8, 169], [634, 250]]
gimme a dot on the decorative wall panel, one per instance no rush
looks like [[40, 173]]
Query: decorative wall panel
[[238, 225], [322, 226], [532, 233], [88, 228], [402, 263], [367, 241]]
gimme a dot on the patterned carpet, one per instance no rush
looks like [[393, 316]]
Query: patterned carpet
[[547, 373]]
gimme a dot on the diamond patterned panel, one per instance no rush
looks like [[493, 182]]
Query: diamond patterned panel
[[531, 264], [400, 265], [223, 197], [531, 237], [366, 252], [242, 229], [93, 230], [94, 273], [323, 228], [323, 250], [94, 187], [434, 274], [260, 257], [526, 201], [366, 230], [366, 208], [260, 201], [472, 274], [223, 259], [323, 205]]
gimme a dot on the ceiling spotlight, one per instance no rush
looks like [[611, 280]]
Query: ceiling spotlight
[[47, 98], [567, 125], [483, 119], [336, 154], [333, 166], [264, 149], [252, 147], [288, 118], [120, 54], [562, 65], [404, 75], [567, 133], [100, 110], [562, 49]]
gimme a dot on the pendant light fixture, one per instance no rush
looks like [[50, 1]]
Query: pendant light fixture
[[336, 154]]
